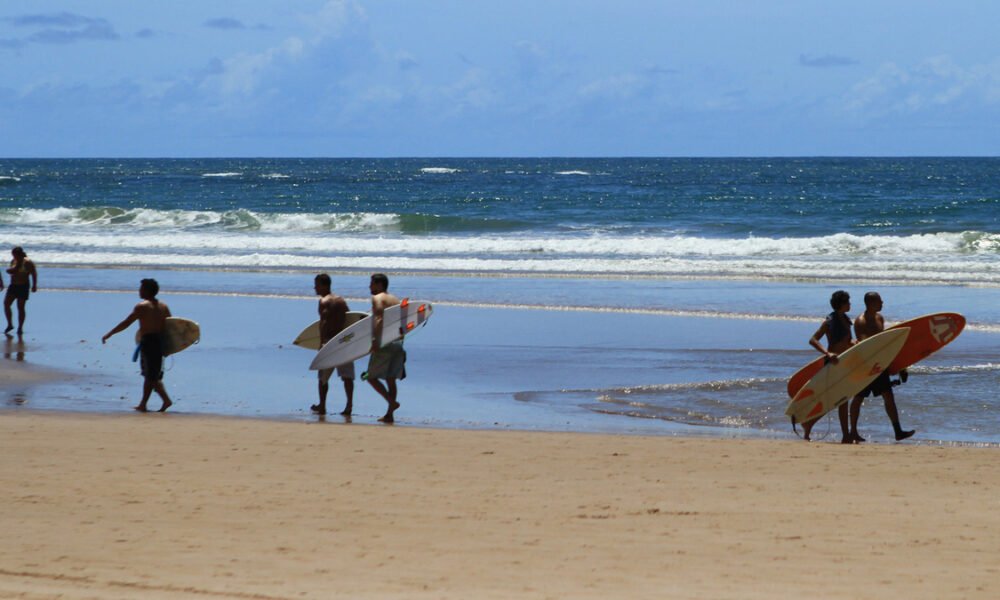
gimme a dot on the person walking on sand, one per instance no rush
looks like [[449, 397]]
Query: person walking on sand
[[152, 316], [866, 325], [837, 329], [387, 362], [332, 317], [23, 281]]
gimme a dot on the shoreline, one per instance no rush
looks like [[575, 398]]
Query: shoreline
[[483, 368], [170, 507]]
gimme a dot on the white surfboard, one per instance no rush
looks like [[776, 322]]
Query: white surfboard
[[356, 341], [178, 335], [838, 382], [309, 338]]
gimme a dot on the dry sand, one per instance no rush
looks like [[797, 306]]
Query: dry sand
[[174, 506]]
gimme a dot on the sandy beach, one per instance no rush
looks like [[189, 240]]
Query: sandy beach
[[176, 506]]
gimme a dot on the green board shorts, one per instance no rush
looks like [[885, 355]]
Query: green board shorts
[[388, 362]]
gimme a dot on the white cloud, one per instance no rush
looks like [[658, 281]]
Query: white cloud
[[936, 83]]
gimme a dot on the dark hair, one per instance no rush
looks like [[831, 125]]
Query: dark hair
[[151, 286], [382, 279], [839, 298], [323, 279], [17, 250], [871, 297]]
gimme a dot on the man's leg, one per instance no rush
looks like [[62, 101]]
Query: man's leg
[[21, 314], [7, 302], [147, 390], [162, 392], [349, 392], [844, 430], [389, 395], [890, 409], [855, 413], [324, 389]]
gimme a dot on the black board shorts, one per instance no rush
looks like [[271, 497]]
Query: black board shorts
[[878, 387], [19, 291], [151, 351]]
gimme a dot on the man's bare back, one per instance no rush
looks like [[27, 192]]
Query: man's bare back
[[152, 316]]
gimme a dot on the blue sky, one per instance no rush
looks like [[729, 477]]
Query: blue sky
[[183, 78]]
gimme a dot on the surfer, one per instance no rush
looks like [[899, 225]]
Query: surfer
[[866, 325], [332, 316], [152, 316], [23, 281], [837, 329], [386, 362]]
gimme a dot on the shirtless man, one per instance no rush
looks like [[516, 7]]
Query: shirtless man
[[152, 316], [837, 329], [386, 362], [21, 270], [332, 316], [866, 325]]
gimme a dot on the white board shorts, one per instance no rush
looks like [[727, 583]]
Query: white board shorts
[[344, 371]]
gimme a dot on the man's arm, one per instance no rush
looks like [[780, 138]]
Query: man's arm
[[33, 273], [121, 326], [814, 342], [378, 312]]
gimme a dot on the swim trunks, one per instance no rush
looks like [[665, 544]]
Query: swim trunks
[[344, 371], [19, 291], [388, 362], [151, 350]]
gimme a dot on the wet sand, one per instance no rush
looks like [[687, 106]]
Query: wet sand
[[179, 506]]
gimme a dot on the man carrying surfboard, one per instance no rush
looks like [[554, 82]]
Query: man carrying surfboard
[[837, 329], [152, 316], [389, 361], [866, 325], [332, 317]]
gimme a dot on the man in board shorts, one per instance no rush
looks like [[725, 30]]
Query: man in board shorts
[[23, 281], [332, 317], [866, 325], [152, 316], [386, 362]]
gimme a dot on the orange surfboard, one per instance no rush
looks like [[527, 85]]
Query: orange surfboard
[[928, 334]]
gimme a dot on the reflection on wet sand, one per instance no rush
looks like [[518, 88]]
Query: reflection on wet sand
[[14, 348]]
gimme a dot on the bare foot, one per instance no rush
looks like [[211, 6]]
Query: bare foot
[[347, 411], [857, 438], [319, 410], [140, 408], [166, 404], [386, 419], [902, 435]]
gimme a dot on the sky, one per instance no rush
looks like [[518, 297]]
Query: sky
[[389, 78]]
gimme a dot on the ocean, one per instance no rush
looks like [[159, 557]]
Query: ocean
[[749, 249]]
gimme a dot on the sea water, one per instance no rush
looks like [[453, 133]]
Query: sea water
[[748, 250]]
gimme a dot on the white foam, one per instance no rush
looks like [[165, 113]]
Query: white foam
[[244, 238], [275, 176], [224, 174], [6, 178], [439, 170], [584, 173]]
